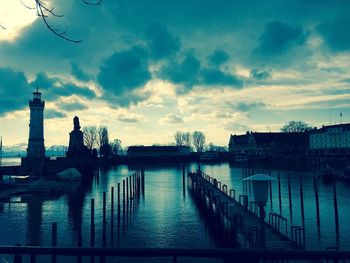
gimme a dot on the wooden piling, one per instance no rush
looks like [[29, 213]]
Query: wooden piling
[[301, 199], [270, 185], [143, 181], [104, 220], [118, 203], [317, 201], [279, 193], [112, 216], [92, 228], [123, 200], [336, 216], [127, 192], [92, 223], [54, 240], [183, 176]]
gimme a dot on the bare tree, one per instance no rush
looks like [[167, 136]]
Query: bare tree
[[182, 138], [178, 138], [44, 11], [186, 138], [198, 139], [295, 126], [90, 136]]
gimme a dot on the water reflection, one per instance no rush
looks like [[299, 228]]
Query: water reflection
[[166, 216], [34, 219]]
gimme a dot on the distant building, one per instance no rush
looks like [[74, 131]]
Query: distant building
[[36, 148], [330, 139], [269, 143], [158, 151]]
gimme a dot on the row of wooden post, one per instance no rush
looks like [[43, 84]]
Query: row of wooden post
[[135, 187], [247, 172]]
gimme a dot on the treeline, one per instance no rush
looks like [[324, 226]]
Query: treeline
[[97, 138], [196, 141]]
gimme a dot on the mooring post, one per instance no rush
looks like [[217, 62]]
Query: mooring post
[[127, 193], [317, 201], [54, 240], [143, 181], [123, 196], [92, 223], [118, 197], [92, 228], [301, 199], [183, 176], [336, 217], [131, 187], [104, 220], [112, 216], [279, 193]]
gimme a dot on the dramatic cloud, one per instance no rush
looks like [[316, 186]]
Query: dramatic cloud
[[161, 42], [72, 106], [189, 73], [54, 88], [262, 57], [184, 72], [13, 88], [336, 33], [249, 106], [123, 72], [218, 58], [172, 118], [260, 74], [128, 117], [212, 76], [79, 73], [53, 114], [279, 37]]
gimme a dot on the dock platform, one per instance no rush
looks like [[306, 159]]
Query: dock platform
[[247, 222]]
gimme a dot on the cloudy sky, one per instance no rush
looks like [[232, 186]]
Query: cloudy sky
[[147, 68]]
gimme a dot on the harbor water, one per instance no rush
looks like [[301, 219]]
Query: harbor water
[[166, 215]]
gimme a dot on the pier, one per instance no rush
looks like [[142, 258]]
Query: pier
[[242, 216]]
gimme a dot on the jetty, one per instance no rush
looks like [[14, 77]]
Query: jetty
[[242, 216]]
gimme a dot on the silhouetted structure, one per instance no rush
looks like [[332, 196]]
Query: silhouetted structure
[[79, 156], [36, 148], [76, 140], [270, 143], [330, 139]]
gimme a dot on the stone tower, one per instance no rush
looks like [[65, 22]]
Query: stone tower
[[36, 148]]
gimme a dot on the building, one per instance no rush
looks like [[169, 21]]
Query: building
[[269, 143], [330, 139], [36, 148]]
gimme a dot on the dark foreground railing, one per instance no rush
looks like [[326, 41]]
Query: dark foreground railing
[[233, 255]]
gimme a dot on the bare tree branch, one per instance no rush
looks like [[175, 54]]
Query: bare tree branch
[[3, 27], [98, 2], [45, 12]]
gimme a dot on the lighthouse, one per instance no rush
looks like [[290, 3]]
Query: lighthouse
[[36, 148]]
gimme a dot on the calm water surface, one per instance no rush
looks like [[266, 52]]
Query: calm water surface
[[166, 216]]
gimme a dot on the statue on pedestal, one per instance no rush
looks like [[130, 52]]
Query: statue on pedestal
[[76, 141]]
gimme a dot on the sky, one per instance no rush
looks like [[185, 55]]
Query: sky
[[148, 68]]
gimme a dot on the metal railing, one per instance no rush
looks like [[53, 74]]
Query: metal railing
[[174, 253]]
